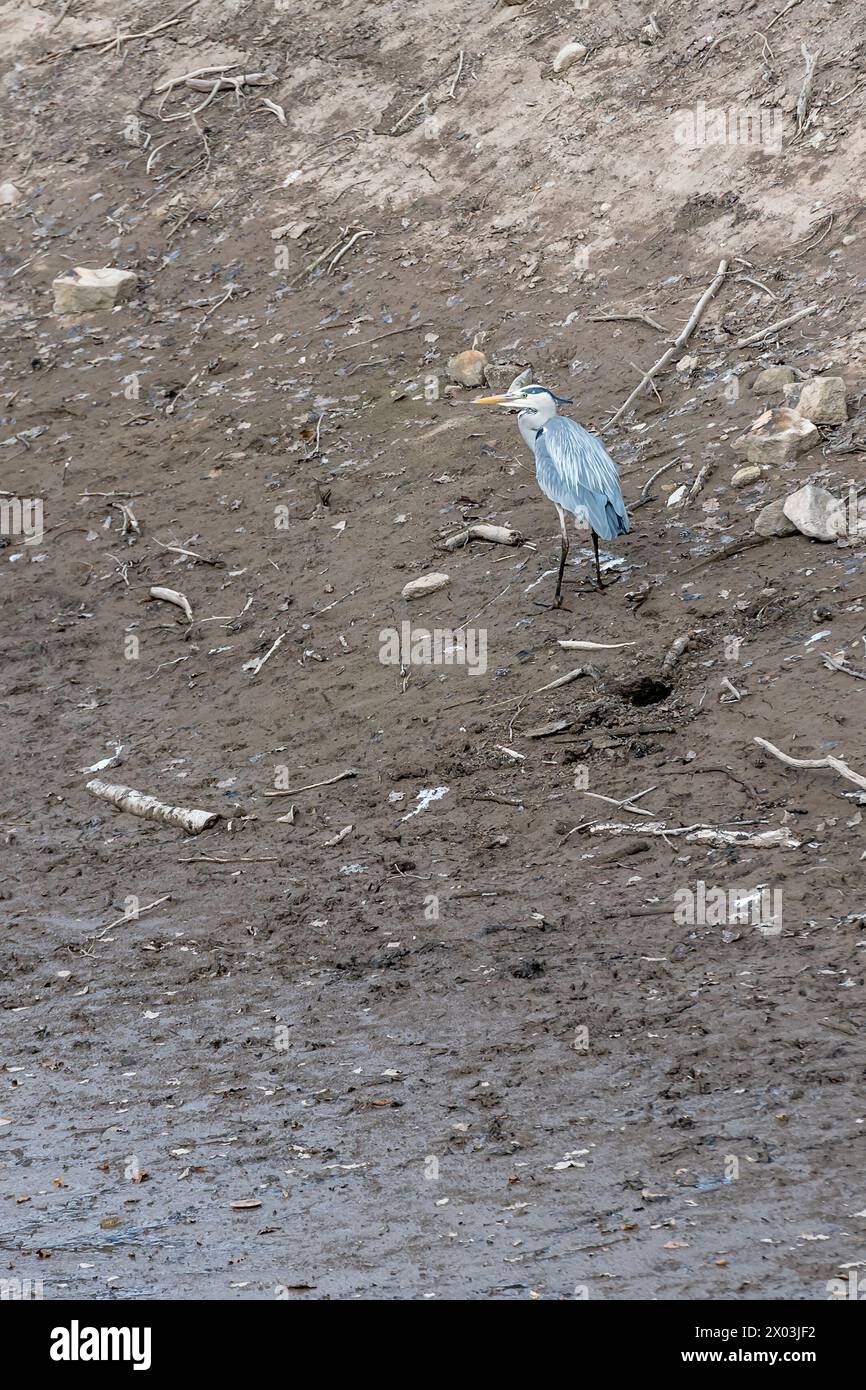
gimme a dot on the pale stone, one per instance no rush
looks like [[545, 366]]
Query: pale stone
[[816, 512], [771, 380], [687, 364], [775, 437], [569, 55], [771, 520], [822, 399], [468, 368], [744, 476], [82, 291], [9, 195], [427, 584]]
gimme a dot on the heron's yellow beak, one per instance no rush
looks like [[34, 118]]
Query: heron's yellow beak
[[489, 400]]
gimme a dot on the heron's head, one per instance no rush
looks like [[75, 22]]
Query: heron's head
[[537, 402]]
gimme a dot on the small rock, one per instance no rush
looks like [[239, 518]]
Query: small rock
[[822, 399], [427, 584], [775, 437], [82, 291], [501, 374], [9, 195], [677, 495], [816, 512], [771, 520], [687, 364], [468, 368], [569, 55], [744, 476], [770, 381]]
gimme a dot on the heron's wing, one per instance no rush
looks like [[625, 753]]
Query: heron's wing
[[575, 471]]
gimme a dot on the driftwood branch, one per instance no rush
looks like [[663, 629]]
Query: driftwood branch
[[835, 763], [137, 804], [700, 834], [780, 323], [697, 314]]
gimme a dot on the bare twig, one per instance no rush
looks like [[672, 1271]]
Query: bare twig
[[835, 763], [780, 323], [836, 665], [680, 341], [391, 333], [804, 100], [311, 786], [627, 318]]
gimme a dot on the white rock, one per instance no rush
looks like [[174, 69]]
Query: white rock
[[569, 55], [744, 476], [83, 291], [9, 195], [468, 368], [775, 437], [677, 495], [427, 584], [687, 363], [821, 399], [771, 520], [816, 512], [770, 381]]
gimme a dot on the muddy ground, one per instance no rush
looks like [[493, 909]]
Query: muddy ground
[[472, 1052]]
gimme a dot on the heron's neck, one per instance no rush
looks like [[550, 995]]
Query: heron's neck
[[529, 422]]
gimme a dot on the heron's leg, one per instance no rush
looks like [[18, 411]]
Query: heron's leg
[[597, 565], [563, 533]]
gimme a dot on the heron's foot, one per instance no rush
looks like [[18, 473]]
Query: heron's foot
[[551, 607], [601, 585]]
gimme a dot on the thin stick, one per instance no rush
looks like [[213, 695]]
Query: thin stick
[[552, 685], [659, 471], [131, 917], [268, 654], [391, 333], [627, 318], [311, 786], [456, 78], [780, 323], [790, 5], [680, 341], [356, 236], [760, 285], [804, 100], [835, 665], [835, 763], [230, 859]]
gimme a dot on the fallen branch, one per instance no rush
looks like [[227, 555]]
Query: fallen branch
[[173, 596], [804, 100], [780, 323], [836, 665], [700, 834], [481, 531], [257, 663], [674, 652], [748, 543], [577, 646], [138, 804], [552, 685], [627, 318], [835, 763], [680, 341], [311, 786]]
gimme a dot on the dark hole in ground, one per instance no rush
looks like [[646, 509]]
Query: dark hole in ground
[[647, 691]]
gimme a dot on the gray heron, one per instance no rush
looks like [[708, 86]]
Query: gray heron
[[572, 466]]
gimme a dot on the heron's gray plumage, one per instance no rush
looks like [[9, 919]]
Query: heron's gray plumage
[[575, 471], [572, 466]]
